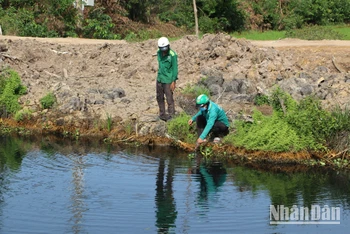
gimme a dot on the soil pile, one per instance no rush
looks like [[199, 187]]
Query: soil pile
[[97, 79]]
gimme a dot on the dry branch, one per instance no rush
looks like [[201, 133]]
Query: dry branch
[[336, 66], [52, 74], [9, 57]]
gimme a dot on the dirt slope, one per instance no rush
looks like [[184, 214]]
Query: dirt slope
[[114, 78]]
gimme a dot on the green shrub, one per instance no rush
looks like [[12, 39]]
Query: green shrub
[[261, 99], [339, 136], [308, 119], [281, 101], [311, 120], [99, 26], [11, 89], [22, 22], [131, 36], [342, 117], [23, 114], [37, 30], [9, 23], [196, 90], [48, 101], [209, 25], [269, 133], [292, 127], [181, 15], [180, 130]]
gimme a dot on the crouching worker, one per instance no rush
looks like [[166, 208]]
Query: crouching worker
[[211, 118]]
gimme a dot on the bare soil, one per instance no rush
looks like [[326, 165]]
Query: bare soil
[[49, 64], [74, 67]]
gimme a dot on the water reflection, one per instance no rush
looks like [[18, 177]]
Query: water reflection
[[12, 152], [306, 188], [76, 153], [210, 176], [165, 203], [77, 197], [198, 183]]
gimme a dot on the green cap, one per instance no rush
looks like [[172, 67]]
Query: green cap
[[202, 99]]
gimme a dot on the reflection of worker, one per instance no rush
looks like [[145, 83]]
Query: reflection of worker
[[166, 208], [166, 78], [211, 118], [211, 178]]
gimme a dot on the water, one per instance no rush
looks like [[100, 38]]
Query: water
[[49, 186]]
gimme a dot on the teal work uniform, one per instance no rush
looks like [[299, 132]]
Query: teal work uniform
[[167, 67], [211, 183], [214, 113]]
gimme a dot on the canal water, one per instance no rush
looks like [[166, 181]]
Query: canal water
[[61, 186]]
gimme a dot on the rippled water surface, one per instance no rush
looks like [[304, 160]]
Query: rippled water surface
[[73, 187]]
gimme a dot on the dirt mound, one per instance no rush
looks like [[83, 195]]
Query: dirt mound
[[97, 79]]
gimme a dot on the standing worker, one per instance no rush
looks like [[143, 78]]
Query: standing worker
[[166, 78], [211, 118]]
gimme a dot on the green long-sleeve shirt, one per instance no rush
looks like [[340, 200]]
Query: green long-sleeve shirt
[[214, 113], [167, 67]]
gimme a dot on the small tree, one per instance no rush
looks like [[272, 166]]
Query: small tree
[[195, 17]]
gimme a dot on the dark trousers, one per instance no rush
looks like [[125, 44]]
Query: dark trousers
[[219, 129], [164, 90]]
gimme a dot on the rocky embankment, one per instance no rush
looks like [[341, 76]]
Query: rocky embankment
[[95, 81]]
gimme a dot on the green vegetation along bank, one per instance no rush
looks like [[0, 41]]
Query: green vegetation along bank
[[292, 128]]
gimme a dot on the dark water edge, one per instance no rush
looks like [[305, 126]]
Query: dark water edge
[[279, 185], [97, 144], [81, 145], [285, 162], [52, 144]]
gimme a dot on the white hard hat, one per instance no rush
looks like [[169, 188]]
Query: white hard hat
[[163, 43]]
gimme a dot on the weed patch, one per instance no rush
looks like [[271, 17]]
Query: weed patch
[[11, 89], [179, 128], [23, 115], [196, 90], [48, 101], [292, 127]]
